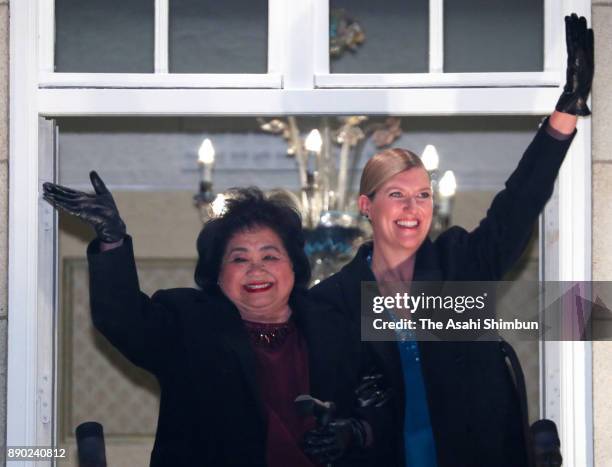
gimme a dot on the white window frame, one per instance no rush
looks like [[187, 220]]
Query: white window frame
[[436, 77], [161, 77], [296, 70]]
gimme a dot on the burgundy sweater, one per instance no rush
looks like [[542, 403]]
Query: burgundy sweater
[[282, 372]]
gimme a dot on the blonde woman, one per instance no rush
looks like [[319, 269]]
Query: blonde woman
[[455, 403]]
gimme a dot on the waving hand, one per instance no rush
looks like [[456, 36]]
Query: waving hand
[[580, 67], [98, 209]]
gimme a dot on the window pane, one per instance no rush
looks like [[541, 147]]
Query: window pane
[[208, 36], [493, 35], [396, 36], [104, 36]]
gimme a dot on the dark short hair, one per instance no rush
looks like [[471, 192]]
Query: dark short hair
[[248, 208]]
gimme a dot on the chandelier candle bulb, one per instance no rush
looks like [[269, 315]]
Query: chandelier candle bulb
[[313, 144], [218, 205], [206, 159], [430, 158], [313, 141], [447, 186]]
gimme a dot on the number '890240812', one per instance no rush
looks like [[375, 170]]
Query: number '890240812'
[[15, 453]]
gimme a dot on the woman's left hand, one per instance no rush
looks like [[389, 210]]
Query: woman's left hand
[[580, 67], [370, 393], [335, 440]]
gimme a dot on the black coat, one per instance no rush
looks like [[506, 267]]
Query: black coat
[[473, 405], [211, 413]]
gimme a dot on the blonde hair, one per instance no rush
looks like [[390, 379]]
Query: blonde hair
[[384, 165]]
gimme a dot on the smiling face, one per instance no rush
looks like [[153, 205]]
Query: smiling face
[[400, 211], [257, 275]]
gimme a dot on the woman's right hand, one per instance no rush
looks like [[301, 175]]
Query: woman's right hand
[[98, 209]]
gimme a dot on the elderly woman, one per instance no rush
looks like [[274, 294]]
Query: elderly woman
[[455, 404], [232, 357]]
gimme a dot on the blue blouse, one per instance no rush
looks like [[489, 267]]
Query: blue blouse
[[418, 437]]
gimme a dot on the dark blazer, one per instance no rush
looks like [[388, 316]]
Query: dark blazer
[[473, 405], [211, 413]]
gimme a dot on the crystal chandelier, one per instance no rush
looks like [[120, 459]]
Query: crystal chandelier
[[327, 160]]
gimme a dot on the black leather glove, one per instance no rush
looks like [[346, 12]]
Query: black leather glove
[[370, 393], [335, 440], [97, 209], [580, 67], [338, 437]]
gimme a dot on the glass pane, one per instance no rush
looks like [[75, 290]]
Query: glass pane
[[379, 37], [104, 36], [208, 36], [493, 35]]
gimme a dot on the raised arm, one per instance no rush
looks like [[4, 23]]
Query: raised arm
[[140, 327], [493, 247], [490, 250]]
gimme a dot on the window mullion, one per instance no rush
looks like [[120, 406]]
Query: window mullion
[[554, 35], [46, 36], [300, 44], [321, 35], [436, 36], [161, 35], [276, 31]]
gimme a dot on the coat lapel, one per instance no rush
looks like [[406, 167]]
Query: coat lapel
[[427, 268], [323, 354], [427, 265], [386, 353], [442, 363], [233, 336]]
